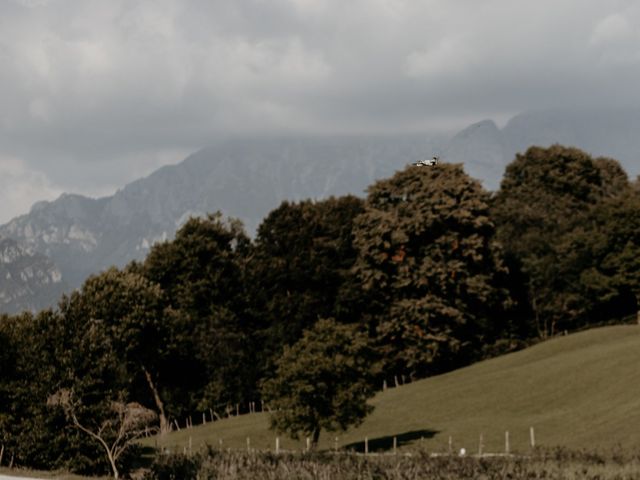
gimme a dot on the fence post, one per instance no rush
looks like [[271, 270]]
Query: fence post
[[450, 445], [506, 442], [395, 378], [395, 445], [384, 385], [480, 446], [277, 444], [532, 436], [308, 444], [204, 418], [248, 444], [366, 445]]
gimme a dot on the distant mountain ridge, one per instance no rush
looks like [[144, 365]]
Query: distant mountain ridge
[[486, 150], [247, 178]]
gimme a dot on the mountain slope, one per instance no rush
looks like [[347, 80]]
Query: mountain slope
[[29, 279], [580, 390]]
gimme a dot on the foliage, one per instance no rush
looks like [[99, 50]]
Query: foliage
[[130, 309], [427, 253], [552, 465], [116, 431], [55, 352], [544, 212], [300, 269], [322, 381], [200, 273], [611, 277], [175, 467]]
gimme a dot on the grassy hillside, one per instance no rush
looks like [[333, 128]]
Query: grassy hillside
[[581, 390]]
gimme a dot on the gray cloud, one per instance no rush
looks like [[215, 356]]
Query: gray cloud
[[96, 93]]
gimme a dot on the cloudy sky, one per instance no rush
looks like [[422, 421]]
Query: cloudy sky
[[96, 93]]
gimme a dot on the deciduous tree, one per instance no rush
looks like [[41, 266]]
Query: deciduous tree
[[427, 254], [544, 213], [322, 381], [300, 268]]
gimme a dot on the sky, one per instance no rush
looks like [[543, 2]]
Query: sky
[[95, 93]]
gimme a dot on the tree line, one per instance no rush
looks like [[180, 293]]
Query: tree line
[[428, 273]]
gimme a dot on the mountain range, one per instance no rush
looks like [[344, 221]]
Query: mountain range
[[58, 244]]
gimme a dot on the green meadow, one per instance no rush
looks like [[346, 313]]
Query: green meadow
[[580, 391]]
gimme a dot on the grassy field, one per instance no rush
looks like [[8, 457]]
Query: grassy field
[[578, 391]]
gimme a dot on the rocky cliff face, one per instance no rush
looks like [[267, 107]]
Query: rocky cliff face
[[30, 280]]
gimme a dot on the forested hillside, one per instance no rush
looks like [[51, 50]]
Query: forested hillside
[[429, 272]]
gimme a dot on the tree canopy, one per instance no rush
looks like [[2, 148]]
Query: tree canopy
[[322, 381], [545, 216], [426, 248], [300, 268]]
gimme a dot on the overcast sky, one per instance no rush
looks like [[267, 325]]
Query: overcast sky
[[96, 93]]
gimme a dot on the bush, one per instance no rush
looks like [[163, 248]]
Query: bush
[[175, 467]]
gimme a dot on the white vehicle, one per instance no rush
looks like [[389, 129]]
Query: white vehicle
[[427, 163]]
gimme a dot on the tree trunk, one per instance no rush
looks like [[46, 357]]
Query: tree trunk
[[542, 332], [314, 439], [164, 424], [114, 469]]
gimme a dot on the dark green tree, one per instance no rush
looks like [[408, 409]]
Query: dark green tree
[[201, 273], [131, 311], [427, 255], [544, 214], [322, 381], [300, 268], [54, 352], [611, 275]]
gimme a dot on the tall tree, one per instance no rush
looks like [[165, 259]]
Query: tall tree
[[427, 252], [300, 268], [543, 209], [611, 274], [201, 275], [131, 309]]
